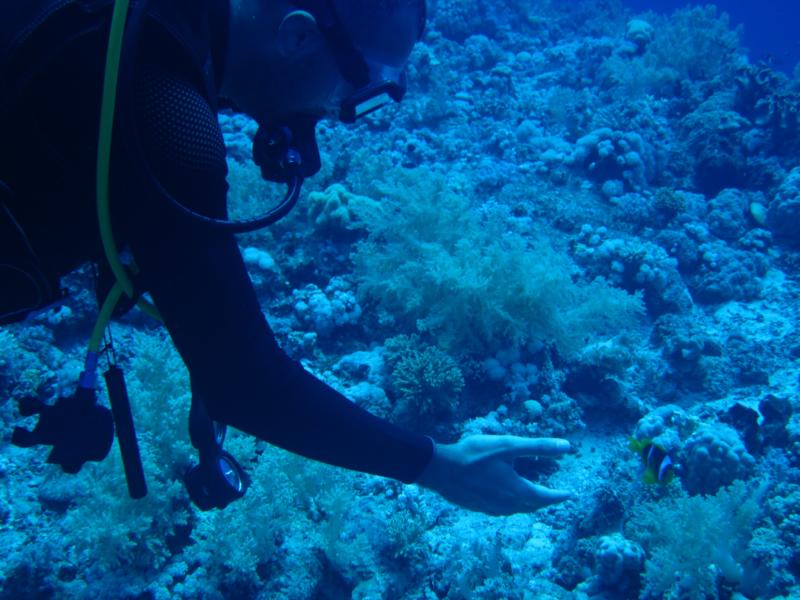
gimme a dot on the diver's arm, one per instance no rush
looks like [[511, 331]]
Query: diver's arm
[[199, 283]]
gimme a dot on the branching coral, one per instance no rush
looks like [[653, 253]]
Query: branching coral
[[472, 284], [427, 380], [693, 543]]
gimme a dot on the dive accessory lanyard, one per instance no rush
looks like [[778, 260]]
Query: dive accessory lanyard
[[117, 396]]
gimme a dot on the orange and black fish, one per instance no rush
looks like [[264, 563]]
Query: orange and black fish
[[658, 466]]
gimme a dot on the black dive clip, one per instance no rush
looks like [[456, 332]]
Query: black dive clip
[[218, 479], [81, 430], [78, 429]]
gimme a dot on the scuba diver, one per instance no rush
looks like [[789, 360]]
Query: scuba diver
[[285, 63]]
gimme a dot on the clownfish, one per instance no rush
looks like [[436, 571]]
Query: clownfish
[[657, 464]]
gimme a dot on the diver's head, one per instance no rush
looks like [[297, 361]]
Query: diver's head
[[319, 57], [371, 41]]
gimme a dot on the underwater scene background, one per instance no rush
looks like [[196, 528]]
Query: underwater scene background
[[583, 221]]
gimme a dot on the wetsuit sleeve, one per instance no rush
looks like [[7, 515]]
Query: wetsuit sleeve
[[199, 283]]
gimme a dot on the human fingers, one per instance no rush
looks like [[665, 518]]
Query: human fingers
[[511, 447], [539, 496], [521, 496]]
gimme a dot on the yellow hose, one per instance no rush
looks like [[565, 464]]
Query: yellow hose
[[104, 317], [107, 110]]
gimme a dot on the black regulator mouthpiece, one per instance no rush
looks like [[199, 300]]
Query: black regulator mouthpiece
[[287, 149]]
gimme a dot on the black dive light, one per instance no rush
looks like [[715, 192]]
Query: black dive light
[[126, 433]]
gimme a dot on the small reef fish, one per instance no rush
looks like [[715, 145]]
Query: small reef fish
[[658, 466]]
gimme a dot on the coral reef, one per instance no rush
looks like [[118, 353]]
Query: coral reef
[[714, 457], [783, 214]]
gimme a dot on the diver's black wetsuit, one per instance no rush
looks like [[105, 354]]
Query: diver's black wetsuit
[[195, 275]]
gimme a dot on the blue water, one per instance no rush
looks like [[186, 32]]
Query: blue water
[[771, 28]]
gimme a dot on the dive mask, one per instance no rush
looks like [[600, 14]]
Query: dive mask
[[374, 83], [386, 84]]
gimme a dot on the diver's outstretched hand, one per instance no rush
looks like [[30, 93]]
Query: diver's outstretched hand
[[478, 473]]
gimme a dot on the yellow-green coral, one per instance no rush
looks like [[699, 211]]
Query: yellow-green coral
[[337, 208], [460, 276], [424, 376]]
